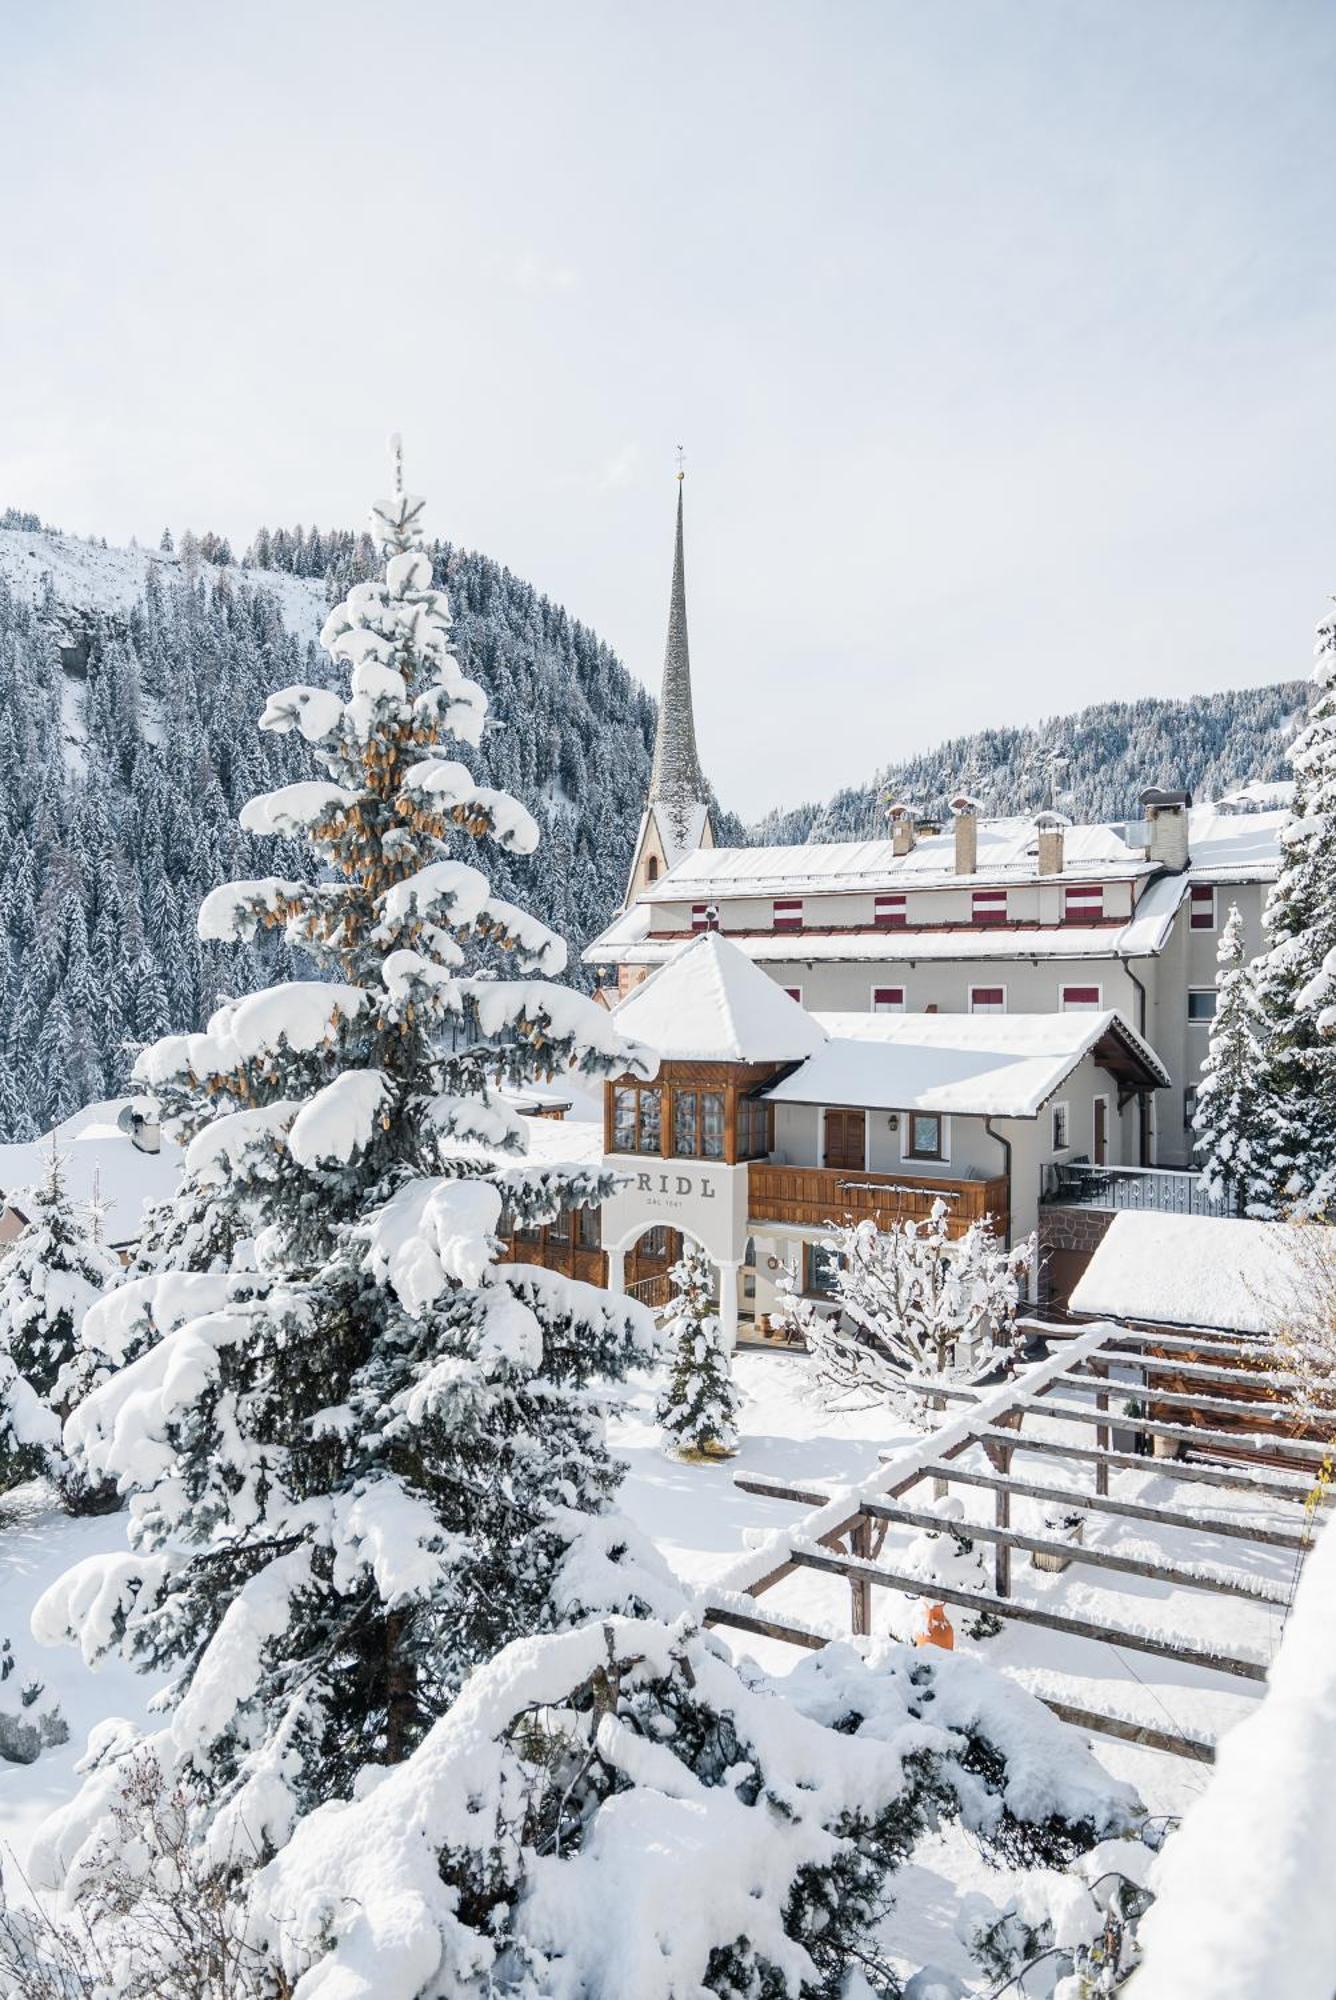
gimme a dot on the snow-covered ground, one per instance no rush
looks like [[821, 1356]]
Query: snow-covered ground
[[702, 1522]]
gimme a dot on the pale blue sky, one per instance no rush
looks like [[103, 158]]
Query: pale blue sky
[[1000, 333]]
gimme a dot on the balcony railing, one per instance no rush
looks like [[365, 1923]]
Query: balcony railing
[[1150, 1190], [806, 1197]]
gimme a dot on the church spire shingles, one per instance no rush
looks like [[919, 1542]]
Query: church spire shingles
[[676, 787]]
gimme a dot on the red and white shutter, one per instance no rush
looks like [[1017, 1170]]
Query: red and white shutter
[[1083, 903], [787, 913], [888, 999], [1080, 999], [990, 906], [891, 914], [1203, 907], [988, 999]]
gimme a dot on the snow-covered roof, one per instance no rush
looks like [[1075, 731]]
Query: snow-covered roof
[[980, 1065], [709, 1003], [560, 1142], [1192, 1270], [1007, 851], [1144, 934], [101, 1162], [1234, 846]]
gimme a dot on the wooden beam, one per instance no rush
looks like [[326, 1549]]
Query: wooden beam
[[1216, 1345], [1199, 1371], [1128, 1510], [1127, 1731], [764, 1628], [1190, 1400], [1094, 1558], [1184, 1433], [780, 1489], [1030, 1614], [1231, 1479]]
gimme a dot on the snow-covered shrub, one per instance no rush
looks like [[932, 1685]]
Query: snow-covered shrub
[[916, 1302], [1300, 1312], [948, 1555], [49, 1277], [699, 1403], [1235, 1168], [795, 1316], [27, 1724], [364, 1453], [621, 1810]]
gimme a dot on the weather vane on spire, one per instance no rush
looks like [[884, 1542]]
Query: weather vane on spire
[[681, 468]]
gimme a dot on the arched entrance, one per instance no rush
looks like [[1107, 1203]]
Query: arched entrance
[[640, 1265]]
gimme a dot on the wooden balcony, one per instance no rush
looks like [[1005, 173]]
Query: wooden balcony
[[807, 1197]]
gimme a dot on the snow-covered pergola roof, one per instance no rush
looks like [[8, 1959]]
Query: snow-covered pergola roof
[[1194, 1270], [709, 1003], [980, 1065]]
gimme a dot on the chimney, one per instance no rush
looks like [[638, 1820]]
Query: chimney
[[901, 818], [966, 812], [1050, 826], [1167, 821], [139, 1121]]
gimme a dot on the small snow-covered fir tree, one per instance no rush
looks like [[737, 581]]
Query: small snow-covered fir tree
[[1296, 973], [1234, 1168], [915, 1301], [30, 1721], [699, 1403], [368, 1453], [52, 1273], [622, 1811]]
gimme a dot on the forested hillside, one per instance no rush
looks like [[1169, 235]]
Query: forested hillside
[[1097, 762], [130, 682]]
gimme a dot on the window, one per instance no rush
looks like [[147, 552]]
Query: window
[[652, 868], [890, 913], [1201, 1003], [528, 1232], [990, 906], [698, 1124], [820, 1270], [795, 993], [925, 1136], [1079, 999], [1083, 903], [988, 999], [654, 1243], [700, 916], [787, 913], [1202, 906], [888, 999], [753, 1128], [589, 1223], [1189, 1107], [636, 1115], [559, 1229], [1061, 1128]]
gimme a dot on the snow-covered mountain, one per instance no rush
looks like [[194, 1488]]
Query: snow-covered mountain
[[1097, 762], [130, 684]]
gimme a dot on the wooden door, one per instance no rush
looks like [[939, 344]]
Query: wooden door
[[1101, 1131], [846, 1140]]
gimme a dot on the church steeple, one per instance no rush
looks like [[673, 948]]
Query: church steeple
[[676, 784], [677, 813]]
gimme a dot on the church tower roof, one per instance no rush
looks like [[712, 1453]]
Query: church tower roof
[[676, 786]]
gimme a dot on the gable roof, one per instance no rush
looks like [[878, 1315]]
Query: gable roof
[[709, 1003], [980, 1065], [101, 1163]]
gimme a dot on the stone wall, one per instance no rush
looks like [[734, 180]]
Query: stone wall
[[1068, 1239]]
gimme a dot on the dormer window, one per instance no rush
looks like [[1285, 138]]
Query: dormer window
[[990, 906], [787, 913]]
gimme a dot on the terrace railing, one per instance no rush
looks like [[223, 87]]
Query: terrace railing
[[1151, 1190]]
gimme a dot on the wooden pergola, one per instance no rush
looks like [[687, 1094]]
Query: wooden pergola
[[1256, 1454]]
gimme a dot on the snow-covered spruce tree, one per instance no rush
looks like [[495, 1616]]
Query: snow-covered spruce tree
[[1296, 973], [699, 1403], [1234, 1168], [49, 1277], [915, 1302], [620, 1810], [359, 1467]]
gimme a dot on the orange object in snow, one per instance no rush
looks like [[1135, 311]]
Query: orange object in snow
[[936, 1629]]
